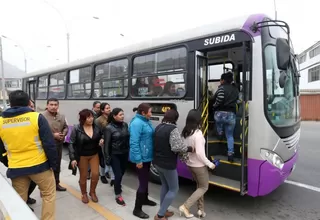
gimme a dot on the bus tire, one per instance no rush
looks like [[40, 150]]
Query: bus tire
[[154, 175]]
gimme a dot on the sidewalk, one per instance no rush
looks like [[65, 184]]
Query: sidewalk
[[69, 205]]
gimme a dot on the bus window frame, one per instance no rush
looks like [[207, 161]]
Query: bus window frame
[[153, 51], [128, 58], [68, 81], [64, 85], [37, 83]]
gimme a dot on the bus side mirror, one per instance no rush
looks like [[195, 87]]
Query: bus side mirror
[[283, 53], [282, 79]]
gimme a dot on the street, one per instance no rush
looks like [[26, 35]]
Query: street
[[287, 202]]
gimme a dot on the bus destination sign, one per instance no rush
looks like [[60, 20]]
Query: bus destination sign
[[162, 108]]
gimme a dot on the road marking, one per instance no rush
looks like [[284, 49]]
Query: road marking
[[313, 188], [106, 213]]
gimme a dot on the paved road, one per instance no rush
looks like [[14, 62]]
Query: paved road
[[287, 202], [308, 164]]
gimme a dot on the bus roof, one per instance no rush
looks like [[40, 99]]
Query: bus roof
[[238, 23]]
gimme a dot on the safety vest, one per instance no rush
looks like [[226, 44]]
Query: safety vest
[[20, 136]]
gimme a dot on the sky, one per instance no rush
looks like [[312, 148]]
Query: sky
[[40, 26]]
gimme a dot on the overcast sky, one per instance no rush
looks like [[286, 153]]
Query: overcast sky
[[39, 29]]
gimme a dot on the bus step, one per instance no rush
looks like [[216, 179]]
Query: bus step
[[226, 183], [227, 169], [224, 159]]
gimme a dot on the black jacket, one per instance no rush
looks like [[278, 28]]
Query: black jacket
[[116, 139], [77, 139], [226, 97]]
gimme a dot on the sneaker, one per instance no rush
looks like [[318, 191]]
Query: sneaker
[[104, 180], [120, 201], [230, 158]]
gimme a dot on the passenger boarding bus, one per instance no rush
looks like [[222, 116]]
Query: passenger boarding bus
[[180, 72]]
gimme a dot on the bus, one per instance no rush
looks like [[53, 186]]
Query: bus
[[181, 71]]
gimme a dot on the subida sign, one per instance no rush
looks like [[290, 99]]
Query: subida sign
[[219, 39]]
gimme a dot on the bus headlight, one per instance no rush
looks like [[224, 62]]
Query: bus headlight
[[272, 158]]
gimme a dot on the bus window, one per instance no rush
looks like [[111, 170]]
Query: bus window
[[158, 86], [80, 83], [57, 85], [215, 72], [42, 92], [111, 79], [160, 74]]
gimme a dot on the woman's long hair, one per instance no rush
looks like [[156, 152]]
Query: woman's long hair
[[193, 122], [114, 112]]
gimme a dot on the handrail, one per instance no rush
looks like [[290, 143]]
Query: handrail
[[12, 207]]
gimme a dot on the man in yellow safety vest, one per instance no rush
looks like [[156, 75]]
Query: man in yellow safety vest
[[27, 140]]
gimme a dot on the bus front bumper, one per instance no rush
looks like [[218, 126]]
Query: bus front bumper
[[263, 177]]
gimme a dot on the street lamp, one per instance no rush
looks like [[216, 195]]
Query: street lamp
[[98, 18], [21, 48], [66, 27]]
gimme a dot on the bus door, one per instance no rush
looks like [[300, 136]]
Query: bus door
[[245, 96], [201, 91], [31, 89]]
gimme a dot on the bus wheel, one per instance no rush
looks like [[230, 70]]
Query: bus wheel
[[154, 175]]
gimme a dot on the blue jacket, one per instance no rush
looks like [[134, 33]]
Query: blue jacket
[[46, 138], [141, 139]]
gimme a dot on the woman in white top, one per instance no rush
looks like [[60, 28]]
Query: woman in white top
[[198, 163]]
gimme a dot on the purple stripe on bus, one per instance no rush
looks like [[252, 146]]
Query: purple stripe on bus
[[270, 177], [249, 22]]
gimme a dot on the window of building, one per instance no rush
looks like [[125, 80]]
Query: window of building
[[160, 74], [314, 74], [42, 92], [13, 83], [303, 58], [314, 52], [79, 85], [57, 85], [111, 79]]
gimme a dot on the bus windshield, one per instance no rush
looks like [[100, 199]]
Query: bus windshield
[[281, 101]]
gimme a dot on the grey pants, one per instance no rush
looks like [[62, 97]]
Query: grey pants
[[201, 176]]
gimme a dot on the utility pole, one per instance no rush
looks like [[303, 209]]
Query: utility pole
[[275, 9], [68, 46], [3, 78]]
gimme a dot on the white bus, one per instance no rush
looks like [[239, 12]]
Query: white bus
[[185, 68]]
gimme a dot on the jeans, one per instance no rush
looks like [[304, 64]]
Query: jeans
[[169, 188], [58, 167], [109, 170], [226, 120], [143, 176], [119, 165]]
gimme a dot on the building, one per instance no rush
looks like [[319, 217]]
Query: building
[[309, 61], [13, 78]]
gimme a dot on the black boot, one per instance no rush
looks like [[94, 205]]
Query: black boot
[[138, 207], [147, 201]]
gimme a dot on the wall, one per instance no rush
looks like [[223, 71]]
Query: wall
[[310, 106]]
